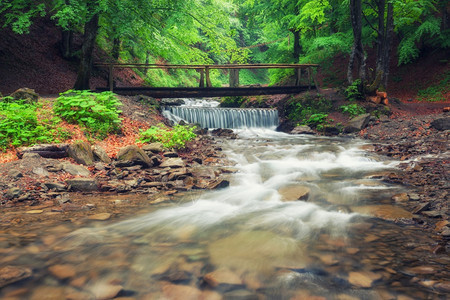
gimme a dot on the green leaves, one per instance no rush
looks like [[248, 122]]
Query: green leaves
[[353, 109], [175, 137], [97, 112]]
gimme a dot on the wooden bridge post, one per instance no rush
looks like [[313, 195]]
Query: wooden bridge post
[[309, 78], [202, 78], [208, 79], [111, 78], [234, 77], [298, 76]]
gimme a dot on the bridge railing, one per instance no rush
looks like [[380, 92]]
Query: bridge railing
[[204, 70]]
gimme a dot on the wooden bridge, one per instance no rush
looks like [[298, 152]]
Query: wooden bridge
[[304, 80]]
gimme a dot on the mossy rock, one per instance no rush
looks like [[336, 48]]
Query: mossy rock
[[81, 152], [25, 94]]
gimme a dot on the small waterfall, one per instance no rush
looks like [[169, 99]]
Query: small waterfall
[[211, 116]]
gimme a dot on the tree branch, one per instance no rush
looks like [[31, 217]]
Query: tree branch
[[370, 24]]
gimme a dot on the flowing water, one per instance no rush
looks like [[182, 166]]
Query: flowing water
[[208, 115], [254, 239]]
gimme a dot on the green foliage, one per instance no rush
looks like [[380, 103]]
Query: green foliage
[[355, 91], [353, 109], [435, 93], [175, 137], [97, 112], [232, 101], [20, 126], [309, 110]]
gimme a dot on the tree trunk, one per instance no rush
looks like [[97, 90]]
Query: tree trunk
[[297, 46], [66, 43], [116, 49], [384, 40], [84, 71], [357, 49], [234, 78]]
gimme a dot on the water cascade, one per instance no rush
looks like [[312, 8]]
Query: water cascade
[[209, 115]]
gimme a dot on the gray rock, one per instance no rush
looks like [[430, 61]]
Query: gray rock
[[357, 123], [170, 154], [133, 155], [82, 184], [40, 171], [441, 124], [218, 184], [29, 95], [81, 152], [175, 162], [302, 129], [13, 193], [31, 156], [76, 170], [172, 102], [100, 154], [55, 186], [331, 130], [13, 173], [153, 147]]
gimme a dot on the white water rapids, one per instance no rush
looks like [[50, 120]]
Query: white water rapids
[[249, 229]]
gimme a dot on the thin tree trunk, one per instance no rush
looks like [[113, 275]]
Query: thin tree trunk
[[388, 43], [84, 71], [297, 46], [357, 49], [116, 49], [66, 43]]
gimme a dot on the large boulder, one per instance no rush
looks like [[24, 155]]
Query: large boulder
[[133, 155], [81, 152], [153, 147], [441, 124], [302, 129], [100, 154], [82, 184], [357, 123], [174, 162], [26, 94]]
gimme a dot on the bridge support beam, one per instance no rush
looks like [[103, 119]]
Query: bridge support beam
[[234, 77]]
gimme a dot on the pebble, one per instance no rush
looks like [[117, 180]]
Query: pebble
[[100, 217], [11, 274], [105, 290], [62, 271], [36, 211], [363, 279], [222, 276]]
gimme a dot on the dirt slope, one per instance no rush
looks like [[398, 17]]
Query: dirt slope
[[34, 60]]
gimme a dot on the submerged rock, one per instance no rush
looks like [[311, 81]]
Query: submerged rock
[[302, 129], [11, 274], [294, 192], [387, 212]]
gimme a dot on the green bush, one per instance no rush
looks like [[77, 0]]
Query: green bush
[[355, 91], [233, 101], [299, 110], [19, 126], [353, 109], [97, 112], [175, 137]]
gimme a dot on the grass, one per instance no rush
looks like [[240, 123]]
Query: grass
[[436, 93]]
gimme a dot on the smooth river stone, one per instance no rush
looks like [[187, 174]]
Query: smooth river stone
[[10, 274], [100, 217], [363, 279], [256, 251], [387, 212], [294, 192], [222, 276], [62, 271], [185, 292]]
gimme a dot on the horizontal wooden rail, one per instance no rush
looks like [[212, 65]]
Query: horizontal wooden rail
[[204, 71]]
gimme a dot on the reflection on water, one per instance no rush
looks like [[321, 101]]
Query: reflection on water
[[253, 240]]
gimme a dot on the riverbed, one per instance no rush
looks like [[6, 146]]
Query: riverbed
[[304, 217]]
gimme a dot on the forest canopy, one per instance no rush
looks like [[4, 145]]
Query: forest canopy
[[241, 31]]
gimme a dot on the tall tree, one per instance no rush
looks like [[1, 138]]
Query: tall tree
[[357, 53]]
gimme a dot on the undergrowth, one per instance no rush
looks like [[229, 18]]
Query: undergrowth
[[24, 124], [175, 137], [309, 110], [97, 112], [435, 93]]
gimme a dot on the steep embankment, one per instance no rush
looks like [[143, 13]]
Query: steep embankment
[[34, 60]]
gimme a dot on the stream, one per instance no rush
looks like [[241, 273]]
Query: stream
[[254, 239]]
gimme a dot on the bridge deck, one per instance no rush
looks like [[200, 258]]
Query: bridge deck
[[194, 92]]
